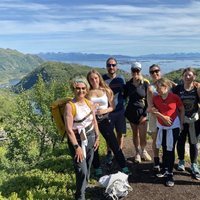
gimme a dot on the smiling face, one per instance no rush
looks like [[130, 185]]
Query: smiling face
[[80, 89], [94, 80], [111, 66], [155, 73], [161, 89], [188, 77]]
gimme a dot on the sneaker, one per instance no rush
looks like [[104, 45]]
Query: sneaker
[[125, 170], [156, 169], [181, 165], [163, 173], [195, 171], [145, 156], [109, 158], [170, 180], [137, 158], [98, 172]]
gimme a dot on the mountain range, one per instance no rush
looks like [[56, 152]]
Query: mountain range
[[60, 56], [27, 67]]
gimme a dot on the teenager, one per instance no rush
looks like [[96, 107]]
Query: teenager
[[169, 111], [189, 92], [102, 97]]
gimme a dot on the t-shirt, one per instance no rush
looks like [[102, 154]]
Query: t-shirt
[[116, 84], [190, 99], [168, 106], [137, 94]]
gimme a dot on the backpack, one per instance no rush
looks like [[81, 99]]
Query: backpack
[[57, 112]]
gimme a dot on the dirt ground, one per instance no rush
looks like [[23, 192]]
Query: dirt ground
[[146, 186]]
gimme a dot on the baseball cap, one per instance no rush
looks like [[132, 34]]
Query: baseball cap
[[136, 65]]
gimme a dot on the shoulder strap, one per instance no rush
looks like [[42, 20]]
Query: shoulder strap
[[73, 108], [89, 105]]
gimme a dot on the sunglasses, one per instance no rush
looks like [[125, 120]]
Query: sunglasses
[[155, 71], [135, 71], [80, 88], [110, 65]]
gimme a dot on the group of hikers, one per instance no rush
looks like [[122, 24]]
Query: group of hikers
[[103, 103]]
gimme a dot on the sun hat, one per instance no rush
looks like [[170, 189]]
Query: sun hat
[[136, 65]]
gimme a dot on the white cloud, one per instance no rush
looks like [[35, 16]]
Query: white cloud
[[118, 25]]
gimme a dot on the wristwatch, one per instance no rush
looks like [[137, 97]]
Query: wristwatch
[[76, 146]]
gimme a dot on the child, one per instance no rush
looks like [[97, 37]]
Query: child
[[169, 111]]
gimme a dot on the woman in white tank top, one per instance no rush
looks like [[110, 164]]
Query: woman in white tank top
[[82, 132], [102, 97]]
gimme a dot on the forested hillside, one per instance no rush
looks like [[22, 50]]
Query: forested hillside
[[14, 65], [56, 71]]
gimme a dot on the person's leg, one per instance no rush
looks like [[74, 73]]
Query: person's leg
[[90, 153], [153, 132], [120, 127], [194, 153], [96, 164], [108, 134], [155, 152], [143, 139], [136, 141], [171, 158], [181, 148], [81, 174]]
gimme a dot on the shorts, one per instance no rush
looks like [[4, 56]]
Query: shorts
[[152, 127], [134, 114], [118, 121]]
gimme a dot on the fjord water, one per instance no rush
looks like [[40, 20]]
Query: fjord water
[[166, 65]]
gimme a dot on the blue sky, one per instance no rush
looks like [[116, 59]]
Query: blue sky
[[128, 27]]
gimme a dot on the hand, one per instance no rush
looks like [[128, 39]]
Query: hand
[[79, 154], [167, 120], [96, 144]]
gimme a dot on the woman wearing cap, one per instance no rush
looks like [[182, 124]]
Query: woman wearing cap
[[136, 91], [82, 132]]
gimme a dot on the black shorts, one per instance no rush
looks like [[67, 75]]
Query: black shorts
[[133, 115]]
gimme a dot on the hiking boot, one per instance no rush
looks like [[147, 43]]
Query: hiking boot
[[170, 180], [137, 158], [195, 171], [145, 156], [163, 173], [181, 165], [109, 158], [98, 172]]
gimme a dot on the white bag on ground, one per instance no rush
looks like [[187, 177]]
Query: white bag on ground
[[116, 185]]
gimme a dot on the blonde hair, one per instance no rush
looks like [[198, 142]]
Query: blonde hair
[[102, 83], [79, 79], [164, 82]]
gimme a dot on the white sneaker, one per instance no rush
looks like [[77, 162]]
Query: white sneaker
[[145, 156], [137, 158]]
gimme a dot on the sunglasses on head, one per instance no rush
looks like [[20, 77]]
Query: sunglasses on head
[[110, 65], [154, 71]]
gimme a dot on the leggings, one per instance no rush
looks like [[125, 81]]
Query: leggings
[[106, 130], [193, 147], [169, 156]]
